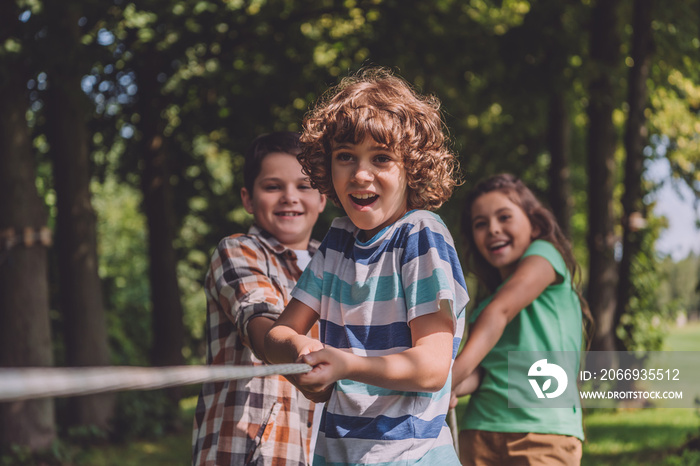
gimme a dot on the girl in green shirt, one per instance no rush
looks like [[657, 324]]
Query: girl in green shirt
[[520, 255]]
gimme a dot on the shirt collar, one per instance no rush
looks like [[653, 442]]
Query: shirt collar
[[274, 245]]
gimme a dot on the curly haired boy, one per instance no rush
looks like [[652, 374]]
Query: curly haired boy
[[386, 283]]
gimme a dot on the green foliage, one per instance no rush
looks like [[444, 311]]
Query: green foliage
[[123, 269], [680, 289], [17, 455], [143, 415], [232, 70], [645, 324]]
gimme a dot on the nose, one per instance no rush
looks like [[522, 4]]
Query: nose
[[363, 172], [494, 227], [290, 195]]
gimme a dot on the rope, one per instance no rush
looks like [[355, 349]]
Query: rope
[[47, 382]]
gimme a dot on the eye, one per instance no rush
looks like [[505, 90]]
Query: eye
[[504, 217], [304, 186], [343, 156], [382, 158], [478, 224], [271, 187]]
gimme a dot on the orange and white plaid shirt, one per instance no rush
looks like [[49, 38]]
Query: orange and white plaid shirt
[[263, 420]]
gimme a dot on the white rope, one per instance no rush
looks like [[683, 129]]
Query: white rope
[[42, 382]]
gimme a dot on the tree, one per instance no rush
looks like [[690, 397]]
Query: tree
[[80, 288], [25, 338], [168, 329], [635, 139], [602, 143]]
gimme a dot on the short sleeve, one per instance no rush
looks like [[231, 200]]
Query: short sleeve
[[430, 270], [547, 250], [241, 282]]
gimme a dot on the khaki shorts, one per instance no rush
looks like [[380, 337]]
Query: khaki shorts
[[482, 448]]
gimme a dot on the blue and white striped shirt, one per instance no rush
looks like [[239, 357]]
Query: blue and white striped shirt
[[366, 294]]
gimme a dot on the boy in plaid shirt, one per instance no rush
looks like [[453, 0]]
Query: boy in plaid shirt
[[263, 420]]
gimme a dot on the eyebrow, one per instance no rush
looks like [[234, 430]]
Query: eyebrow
[[346, 145]]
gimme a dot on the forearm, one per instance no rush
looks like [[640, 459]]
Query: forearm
[[469, 384], [483, 336], [410, 370], [421, 368], [284, 345], [532, 276], [257, 330], [424, 367]]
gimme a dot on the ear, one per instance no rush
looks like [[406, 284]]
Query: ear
[[247, 199], [536, 232], [322, 206]]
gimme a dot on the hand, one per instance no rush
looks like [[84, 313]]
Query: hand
[[317, 396], [329, 365], [313, 394], [454, 399], [309, 346], [466, 386]]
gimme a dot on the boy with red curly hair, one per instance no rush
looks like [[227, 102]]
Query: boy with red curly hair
[[386, 283]]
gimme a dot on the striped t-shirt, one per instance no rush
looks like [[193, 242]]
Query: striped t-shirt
[[366, 294]]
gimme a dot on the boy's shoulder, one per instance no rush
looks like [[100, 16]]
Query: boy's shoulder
[[424, 216], [422, 221], [255, 238]]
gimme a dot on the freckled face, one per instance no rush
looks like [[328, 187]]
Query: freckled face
[[370, 182], [283, 203], [502, 231]]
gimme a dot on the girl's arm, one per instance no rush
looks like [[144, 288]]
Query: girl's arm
[[466, 386], [424, 367], [469, 384], [531, 277]]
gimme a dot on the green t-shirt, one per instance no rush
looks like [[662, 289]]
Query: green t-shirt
[[552, 322]]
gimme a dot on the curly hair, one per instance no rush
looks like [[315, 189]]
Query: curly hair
[[542, 221], [376, 103]]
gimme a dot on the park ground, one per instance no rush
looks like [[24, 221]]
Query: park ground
[[642, 436]]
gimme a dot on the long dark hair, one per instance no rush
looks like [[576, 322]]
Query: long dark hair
[[542, 220]]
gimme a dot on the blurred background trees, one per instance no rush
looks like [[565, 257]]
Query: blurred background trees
[[123, 125]]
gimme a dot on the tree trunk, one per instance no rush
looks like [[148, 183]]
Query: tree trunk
[[558, 121], [168, 326], [602, 140], [559, 140], [635, 140], [80, 289], [25, 332]]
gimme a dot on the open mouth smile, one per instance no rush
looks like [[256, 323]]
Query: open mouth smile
[[364, 199], [498, 246], [288, 214]]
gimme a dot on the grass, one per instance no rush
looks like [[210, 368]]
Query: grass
[[644, 436], [173, 449], [639, 437], [686, 338]]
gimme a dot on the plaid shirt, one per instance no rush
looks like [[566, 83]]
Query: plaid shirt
[[262, 420]]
